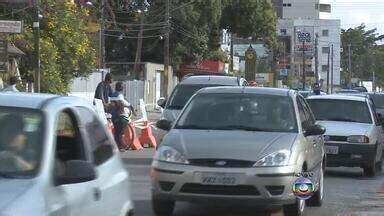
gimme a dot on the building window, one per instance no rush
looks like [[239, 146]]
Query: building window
[[325, 8], [325, 33], [287, 5], [325, 50], [324, 68], [283, 31]]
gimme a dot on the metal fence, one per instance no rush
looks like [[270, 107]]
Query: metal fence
[[134, 91]]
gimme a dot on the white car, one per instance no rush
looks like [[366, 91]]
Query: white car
[[56, 158], [353, 136]]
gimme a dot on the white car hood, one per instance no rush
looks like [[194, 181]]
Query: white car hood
[[11, 189], [339, 128], [240, 145]]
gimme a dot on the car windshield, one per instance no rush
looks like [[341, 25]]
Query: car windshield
[[20, 142], [182, 94], [378, 100], [248, 112], [340, 110]]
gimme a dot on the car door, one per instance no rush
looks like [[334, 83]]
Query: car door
[[78, 198], [377, 131], [310, 141], [113, 179], [318, 141]]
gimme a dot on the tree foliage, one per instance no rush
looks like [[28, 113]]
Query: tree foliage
[[251, 18], [66, 50], [196, 29], [366, 54]]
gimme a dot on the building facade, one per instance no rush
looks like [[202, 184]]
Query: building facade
[[305, 9], [328, 34]]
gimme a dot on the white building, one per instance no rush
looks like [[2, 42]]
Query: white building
[[328, 32], [305, 9]]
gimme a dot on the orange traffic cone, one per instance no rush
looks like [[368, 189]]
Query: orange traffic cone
[[129, 139], [146, 136]]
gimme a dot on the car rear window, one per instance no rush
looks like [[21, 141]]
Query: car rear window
[[183, 93]]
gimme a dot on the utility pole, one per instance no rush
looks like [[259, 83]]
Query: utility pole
[[166, 47], [349, 65], [231, 54], [36, 28], [329, 68], [102, 39], [317, 58], [139, 42], [303, 71], [332, 69]]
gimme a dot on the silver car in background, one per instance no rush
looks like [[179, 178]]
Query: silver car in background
[[188, 87], [353, 137], [57, 158], [239, 145]]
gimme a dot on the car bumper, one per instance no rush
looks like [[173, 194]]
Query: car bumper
[[352, 155], [259, 186]]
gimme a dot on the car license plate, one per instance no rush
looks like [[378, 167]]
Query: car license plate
[[332, 149], [219, 178]]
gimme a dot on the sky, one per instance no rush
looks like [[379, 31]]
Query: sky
[[354, 12]]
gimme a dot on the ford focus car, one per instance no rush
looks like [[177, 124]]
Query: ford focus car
[[353, 137], [239, 145]]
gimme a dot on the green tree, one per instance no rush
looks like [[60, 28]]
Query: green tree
[[366, 55], [251, 18], [66, 48]]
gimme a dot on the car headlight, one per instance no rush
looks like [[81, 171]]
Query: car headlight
[[358, 139], [279, 158], [171, 155]]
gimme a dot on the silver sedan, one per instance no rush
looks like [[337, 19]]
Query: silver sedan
[[239, 145]]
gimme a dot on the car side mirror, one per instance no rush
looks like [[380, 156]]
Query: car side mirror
[[76, 171], [164, 124], [161, 102], [315, 130]]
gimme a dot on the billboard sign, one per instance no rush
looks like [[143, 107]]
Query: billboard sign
[[304, 38], [11, 26]]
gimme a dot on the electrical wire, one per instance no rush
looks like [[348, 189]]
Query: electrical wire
[[124, 36]]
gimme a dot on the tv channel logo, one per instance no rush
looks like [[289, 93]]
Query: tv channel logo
[[303, 188]]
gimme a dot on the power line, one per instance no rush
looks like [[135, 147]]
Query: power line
[[124, 36]]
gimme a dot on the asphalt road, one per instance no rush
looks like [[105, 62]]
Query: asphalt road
[[348, 193]]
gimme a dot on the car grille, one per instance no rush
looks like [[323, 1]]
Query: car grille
[[338, 138], [239, 190], [230, 163]]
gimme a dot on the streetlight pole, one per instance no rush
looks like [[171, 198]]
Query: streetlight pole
[[166, 47], [303, 75], [36, 27], [316, 58], [102, 40], [332, 69], [349, 65]]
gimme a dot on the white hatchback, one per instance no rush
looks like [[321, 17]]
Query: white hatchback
[[56, 158], [353, 135]]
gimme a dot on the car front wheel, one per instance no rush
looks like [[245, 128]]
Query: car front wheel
[[162, 207], [296, 209]]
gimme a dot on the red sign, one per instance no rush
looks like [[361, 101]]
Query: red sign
[[203, 67]]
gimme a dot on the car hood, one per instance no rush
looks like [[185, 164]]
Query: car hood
[[11, 189], [171, 114], [338, 128], [237, 145]]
